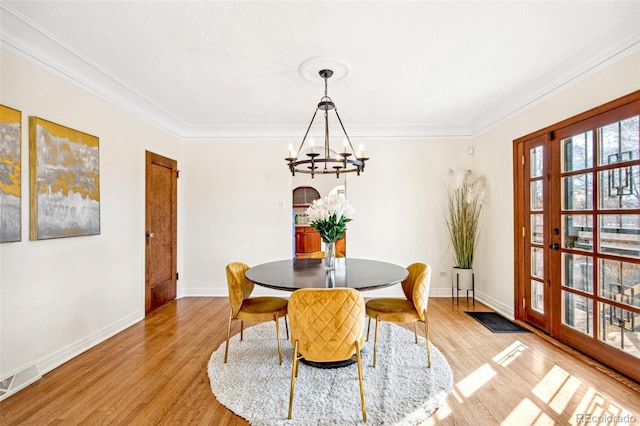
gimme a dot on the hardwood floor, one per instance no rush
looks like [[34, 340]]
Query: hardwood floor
[[155, 373]]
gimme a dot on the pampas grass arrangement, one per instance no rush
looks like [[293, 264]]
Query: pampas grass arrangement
[[465, 196]]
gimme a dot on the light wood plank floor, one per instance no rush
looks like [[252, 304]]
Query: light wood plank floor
[[155, 373]]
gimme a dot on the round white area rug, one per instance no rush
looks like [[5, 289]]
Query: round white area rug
[[401, 390]]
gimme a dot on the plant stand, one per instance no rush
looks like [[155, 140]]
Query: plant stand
[[455, 285]]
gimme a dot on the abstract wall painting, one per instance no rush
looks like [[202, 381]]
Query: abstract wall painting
[[64, 172], [10, 174]]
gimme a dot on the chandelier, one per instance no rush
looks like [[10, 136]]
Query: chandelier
[[315, 163]]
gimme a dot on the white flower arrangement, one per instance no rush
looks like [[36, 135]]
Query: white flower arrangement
[[329, 216]]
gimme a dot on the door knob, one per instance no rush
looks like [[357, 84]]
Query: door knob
[[149, 235], [554, 246]]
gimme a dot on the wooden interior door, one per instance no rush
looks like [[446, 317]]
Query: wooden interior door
[[161, 231]]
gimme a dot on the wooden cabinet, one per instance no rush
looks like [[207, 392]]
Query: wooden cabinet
[[308, 241], [341, 245]]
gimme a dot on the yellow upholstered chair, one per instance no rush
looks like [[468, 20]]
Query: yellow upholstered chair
[[326, 326], [412, 309], [252, 309]]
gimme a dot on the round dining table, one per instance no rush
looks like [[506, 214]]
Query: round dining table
[[294, 274]]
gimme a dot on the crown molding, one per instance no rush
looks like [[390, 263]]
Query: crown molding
[[622, 39], [27, 40], [295, 133]]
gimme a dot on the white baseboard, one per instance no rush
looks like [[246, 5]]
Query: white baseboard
[[496, 305], [29, 374], [205, 292], [51, 361]]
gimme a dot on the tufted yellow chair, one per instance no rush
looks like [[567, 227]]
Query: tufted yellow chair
[[252, 309], [412, 309], [326, 325]]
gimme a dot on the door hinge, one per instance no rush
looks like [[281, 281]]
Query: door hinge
[[178, 174], [177, 276], [552, 135], [524, 232], [524, 303], [523, 159]]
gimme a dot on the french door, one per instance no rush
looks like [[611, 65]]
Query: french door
[[578, 207]]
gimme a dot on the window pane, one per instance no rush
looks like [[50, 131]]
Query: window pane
[[576, 191], [619, 188], [619, 141], [620, 328], [537, 262], [536, 195], [620, 281], [537, 228], [537, 296], [620, 234], [577, 231], [577, 312], [536, 161], [577, 272], [577, 152]]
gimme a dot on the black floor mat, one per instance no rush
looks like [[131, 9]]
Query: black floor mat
[[497, 323]]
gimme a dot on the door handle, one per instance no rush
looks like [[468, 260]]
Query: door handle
[[149, 235], [554, 246]]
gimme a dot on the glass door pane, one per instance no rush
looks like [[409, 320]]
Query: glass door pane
[[536, 180]]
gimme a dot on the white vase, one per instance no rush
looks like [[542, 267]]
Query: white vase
[[462, 279]]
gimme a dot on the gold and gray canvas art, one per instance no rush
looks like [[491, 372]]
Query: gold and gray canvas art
[[10, 174], [65, 181]]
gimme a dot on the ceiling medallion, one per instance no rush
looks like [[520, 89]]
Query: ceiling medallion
[[315, 162]]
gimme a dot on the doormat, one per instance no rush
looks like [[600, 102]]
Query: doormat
[[496, 322]]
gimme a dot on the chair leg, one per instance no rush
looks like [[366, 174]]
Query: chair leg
[[364, 408], [275, 318], [226, 348], [415, 330], [241, 329], [368, 328], [426, 335], [294, 373], [286, 326], [375, 342]]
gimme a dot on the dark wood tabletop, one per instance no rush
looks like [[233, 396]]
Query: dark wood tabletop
[[360, 274]]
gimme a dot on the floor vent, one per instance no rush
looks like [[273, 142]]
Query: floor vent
[[19, 380]]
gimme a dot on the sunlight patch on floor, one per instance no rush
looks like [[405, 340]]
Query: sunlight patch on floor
[[527, 413], [476, 380], [556, 388], [512, 352], [594, 404]]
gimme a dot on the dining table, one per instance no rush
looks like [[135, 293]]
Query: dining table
[[294, 274]]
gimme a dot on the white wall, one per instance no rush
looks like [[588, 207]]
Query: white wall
[[400, 205], [237, 199], [237, 208], [494, 265], [59, 297]]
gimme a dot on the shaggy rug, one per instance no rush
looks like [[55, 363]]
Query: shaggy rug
[[401, 390]]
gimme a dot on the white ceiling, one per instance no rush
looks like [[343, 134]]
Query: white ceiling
[[232, 69]]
